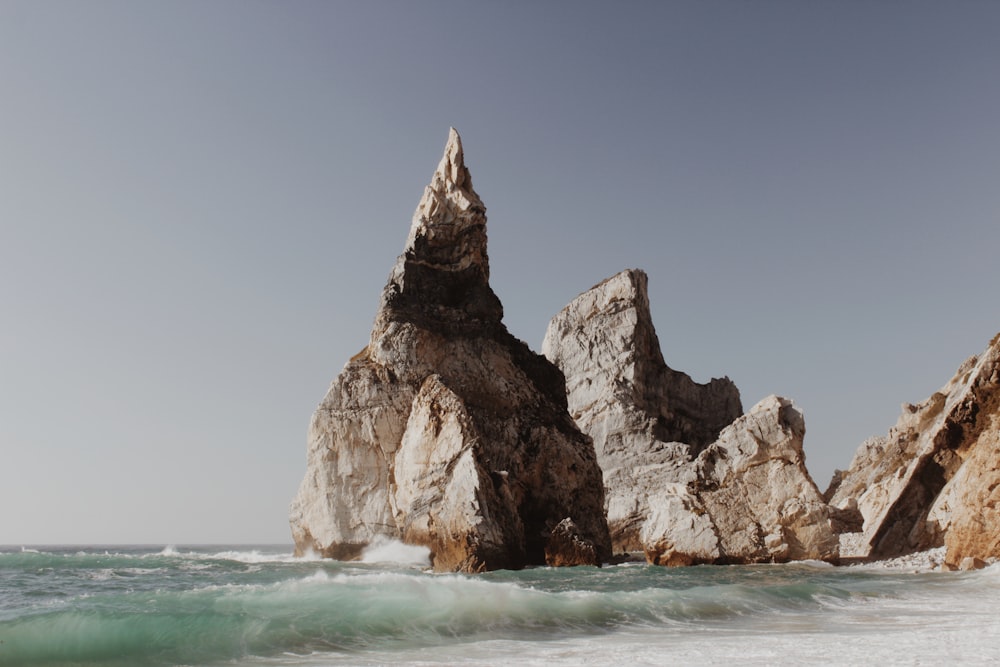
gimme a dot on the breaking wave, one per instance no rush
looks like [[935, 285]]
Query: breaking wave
[[393, 551], [345, 612], [197, 607]]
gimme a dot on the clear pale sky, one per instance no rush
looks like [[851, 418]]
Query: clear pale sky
[[200, 203]]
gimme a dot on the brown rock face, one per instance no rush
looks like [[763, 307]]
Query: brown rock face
[[975, 501], [568, 546], [446, 431], [933, 480], [688, 480]]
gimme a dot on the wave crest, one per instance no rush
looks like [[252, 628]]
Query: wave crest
[[384, 550]]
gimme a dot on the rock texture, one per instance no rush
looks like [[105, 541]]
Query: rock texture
[[606, 345], [934, 479], [688, 480], [747, 499], [446, 431]]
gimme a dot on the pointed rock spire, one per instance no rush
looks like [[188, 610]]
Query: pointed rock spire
[[443, 275], [449, 225], [446, 431], [451, 186]]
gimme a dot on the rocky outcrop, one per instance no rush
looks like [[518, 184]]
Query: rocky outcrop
[[934, 479], [688, 480], [606, 345], [748, 498], [446, 431]]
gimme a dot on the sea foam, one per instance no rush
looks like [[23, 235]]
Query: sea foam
[[392, 551], [58, 608]]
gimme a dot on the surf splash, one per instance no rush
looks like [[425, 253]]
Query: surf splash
[[388, 551], [260, 606]]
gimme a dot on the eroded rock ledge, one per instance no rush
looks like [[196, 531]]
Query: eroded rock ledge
[[446, 431], [688, 479]]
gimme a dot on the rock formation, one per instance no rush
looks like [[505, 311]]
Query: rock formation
[[748, 498], [447, 431], [934, 479], [688, 480]]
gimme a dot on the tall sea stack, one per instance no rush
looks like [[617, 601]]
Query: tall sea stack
[[445, 430], [688, 479]]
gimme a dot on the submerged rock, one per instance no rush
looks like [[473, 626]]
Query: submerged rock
[[446, 431], [934, 479], [688, 480]]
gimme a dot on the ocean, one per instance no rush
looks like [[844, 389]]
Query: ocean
[[257, 605]]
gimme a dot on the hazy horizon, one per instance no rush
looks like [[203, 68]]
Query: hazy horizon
[[200, 204]]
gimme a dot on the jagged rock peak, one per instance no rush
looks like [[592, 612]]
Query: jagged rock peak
[[605, 342], [449, 210], [442, 278], [452, 179], [446, 431]]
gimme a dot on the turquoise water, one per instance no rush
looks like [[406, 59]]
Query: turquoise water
[[259, 605]]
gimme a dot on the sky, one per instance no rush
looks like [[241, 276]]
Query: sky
[[200, 203]]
